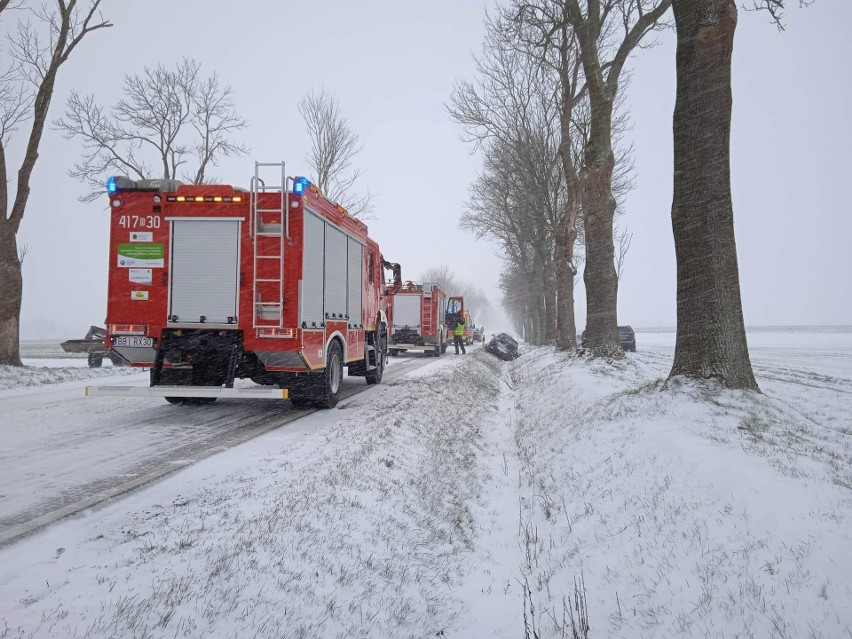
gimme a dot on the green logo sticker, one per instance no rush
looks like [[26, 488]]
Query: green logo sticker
[[149, 255]]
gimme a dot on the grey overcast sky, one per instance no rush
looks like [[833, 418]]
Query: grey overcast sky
[[392, 64]]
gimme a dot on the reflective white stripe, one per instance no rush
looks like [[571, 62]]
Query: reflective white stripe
[[186, 391]]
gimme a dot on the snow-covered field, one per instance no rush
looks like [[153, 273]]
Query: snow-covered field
[[475, 498], [46, 363]]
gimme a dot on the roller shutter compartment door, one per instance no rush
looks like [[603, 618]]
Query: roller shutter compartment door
[[354, 275], [335, 272], [406, 311], [313, 259], [204, 274]]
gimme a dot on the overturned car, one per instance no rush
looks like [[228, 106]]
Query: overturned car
[[503, 346]]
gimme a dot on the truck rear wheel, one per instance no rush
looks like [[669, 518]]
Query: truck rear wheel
[[332, 378]]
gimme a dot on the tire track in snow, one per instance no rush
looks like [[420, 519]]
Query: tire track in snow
[[183, 440]]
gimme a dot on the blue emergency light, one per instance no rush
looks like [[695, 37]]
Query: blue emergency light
[[112, 187], [300, 184]]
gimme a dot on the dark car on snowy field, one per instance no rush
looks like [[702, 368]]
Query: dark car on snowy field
[[503, 346], [626, 338]]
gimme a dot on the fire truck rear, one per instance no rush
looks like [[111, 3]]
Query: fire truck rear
[[419, 316], [208, 283]]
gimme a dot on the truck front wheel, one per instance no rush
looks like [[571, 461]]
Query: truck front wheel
[[375, 376]]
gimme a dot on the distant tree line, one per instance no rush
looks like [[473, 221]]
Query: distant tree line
[[475, 300]]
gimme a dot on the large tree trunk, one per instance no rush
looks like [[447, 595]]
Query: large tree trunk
[[599, 274], [711, 339], [537, 281], [566, 328], [550, 307], [566, 232], [10, 298]]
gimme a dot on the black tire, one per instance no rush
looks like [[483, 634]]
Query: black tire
[[375, 376], [190, 401], [117, 360], [95, 360], [332, 378], [394, 352], [438, 350], [300, 401], [302, 390], [198, 401]]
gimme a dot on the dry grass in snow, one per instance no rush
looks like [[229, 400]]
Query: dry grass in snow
[[687, 510]]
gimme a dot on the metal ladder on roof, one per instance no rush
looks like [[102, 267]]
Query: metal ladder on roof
[[273, 223]]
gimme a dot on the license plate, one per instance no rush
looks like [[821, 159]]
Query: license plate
[[137, 342]]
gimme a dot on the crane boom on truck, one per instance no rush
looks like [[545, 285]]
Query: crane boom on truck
[[208, 283]]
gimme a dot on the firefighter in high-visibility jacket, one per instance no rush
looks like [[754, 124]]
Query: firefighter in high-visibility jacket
[[458, 335]]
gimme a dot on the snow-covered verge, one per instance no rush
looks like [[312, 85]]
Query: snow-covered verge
[[476, 498], [33, 374], [684, 509], [46, 363]]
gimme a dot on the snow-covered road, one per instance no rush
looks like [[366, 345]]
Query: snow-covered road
[[61, 452]]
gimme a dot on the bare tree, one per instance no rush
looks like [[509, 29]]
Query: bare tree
[[606, 32], [475, 300], [511, 114], [334, 146], [623, 240], [38, 50], [442, 275], [172, 124], [529, 113]]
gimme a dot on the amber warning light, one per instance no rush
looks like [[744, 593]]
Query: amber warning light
[[128, 329], [203, 198]]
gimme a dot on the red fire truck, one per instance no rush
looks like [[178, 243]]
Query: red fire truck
[[208, 283], [419, 319]]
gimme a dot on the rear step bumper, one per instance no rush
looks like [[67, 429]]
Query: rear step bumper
[[186, 391]]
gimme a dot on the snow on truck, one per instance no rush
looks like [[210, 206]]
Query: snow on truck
[[208, 283], [419, 319]]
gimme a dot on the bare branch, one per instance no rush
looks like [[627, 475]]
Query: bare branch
[[334, 145], [169, 118], [623, 240], [775, 8], [38, 61]]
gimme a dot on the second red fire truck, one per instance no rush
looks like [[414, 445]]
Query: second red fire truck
[[419, 319], [208, 283]]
